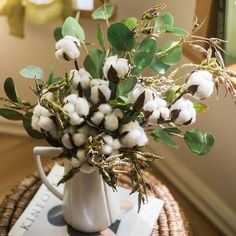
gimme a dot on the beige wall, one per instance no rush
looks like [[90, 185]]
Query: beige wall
[[217, 170]]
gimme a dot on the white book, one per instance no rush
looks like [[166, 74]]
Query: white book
[[43, 215]]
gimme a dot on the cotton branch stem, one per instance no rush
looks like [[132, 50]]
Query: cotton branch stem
[[76, 64]]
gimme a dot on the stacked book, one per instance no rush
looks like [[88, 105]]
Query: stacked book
[[43, 216]]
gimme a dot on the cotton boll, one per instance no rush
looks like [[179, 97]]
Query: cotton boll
[[143, 140], [82, 107], [66, 141], [37, 110], [46, 123], [138, 90], [100, 92], [158, 116], [80, 154], [105, 108], [121, 66], [71, 130], [69, 107], [35, 123], [67, 49], [155, 116], [160, 102], [107, 149], [118, 113], [108, 139], [150, 106], [87, 130], [45, 112], [116, 144], [111, 122], [155, 104], [79, 139], [98, 82], [132, 139], [47, 95], [72, 98], [134, 135], [200, 84], [183, 112], [165, 112], [75, 119], [97, 118], [81, 77], [110, 145]]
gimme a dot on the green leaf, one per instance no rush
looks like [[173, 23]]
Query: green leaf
[[104, 12], [163, 20], [130, 22], [172, 131], [73, 28], [10, 89], [198, 142], [176, 31], [200, 107], [32, 72], [10, 114], [100, 37], [171, 93], [58, 33], [125, 86], [27, 125], [52, 79], [51, 75], [145, 53], [159, 66], [172, 53], [162, 136], [120, 37], [93, 63]]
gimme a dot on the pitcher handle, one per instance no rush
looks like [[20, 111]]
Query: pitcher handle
[[46, 152]]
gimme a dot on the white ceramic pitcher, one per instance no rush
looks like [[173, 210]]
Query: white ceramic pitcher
[[89, 205]]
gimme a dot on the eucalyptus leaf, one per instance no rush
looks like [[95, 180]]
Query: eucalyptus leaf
[[27, 125], [163, 20], [100, 37], [176, 31], [144, 55], [93, 63], [200, 107], [171, 93], [159, 66], [125, 86], [72, 27], [130, 22], [172, 53], [58, 33], [120, 37], [10, 114], [172, 130], [10, 89], [32, 72], [104, 12], [162, 136], [51, 75], [198, 142]]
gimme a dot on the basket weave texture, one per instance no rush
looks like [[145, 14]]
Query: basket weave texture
[[171, 222]]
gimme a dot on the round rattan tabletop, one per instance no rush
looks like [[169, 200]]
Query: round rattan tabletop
[[171, 222]]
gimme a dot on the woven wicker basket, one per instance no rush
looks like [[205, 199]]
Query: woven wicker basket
[[171, 222]]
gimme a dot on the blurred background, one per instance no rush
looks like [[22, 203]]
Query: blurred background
[[204, 186]]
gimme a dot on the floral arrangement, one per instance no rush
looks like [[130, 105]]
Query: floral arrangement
[[105, 112]]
